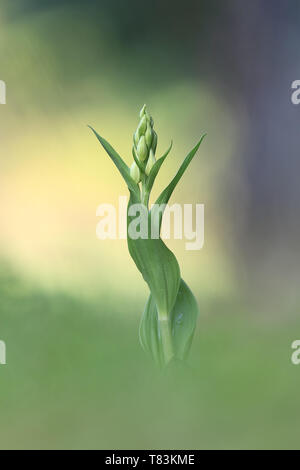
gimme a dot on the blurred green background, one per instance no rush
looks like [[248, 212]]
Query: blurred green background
[[70, 304]]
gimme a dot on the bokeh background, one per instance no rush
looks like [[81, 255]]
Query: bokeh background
[[70, 304]]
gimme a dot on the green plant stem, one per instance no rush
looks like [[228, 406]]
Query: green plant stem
[[166, 338], [164, 324], [145, 192]]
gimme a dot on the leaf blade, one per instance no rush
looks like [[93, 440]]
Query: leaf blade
[[167, 192], [183, 320], [155, 169], [119, 162], [157, 264]]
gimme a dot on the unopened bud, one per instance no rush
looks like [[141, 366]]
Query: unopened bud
[[142, 149], [136, 138], [143, 110], [149, 136], [145, 138], [154, 141], [142, 126], [135, 173], [150, 163]]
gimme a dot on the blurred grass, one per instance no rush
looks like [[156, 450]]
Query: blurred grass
[[77, 378]]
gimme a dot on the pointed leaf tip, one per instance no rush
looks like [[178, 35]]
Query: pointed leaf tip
[[119, 162]]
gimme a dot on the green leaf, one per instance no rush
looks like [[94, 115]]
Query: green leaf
[[119, 162], [157, 264], [149, 332], [140, 165], [183, 318], [155, 169], [167, 192]]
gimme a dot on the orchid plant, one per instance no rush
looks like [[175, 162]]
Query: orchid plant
[[169, 318]]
